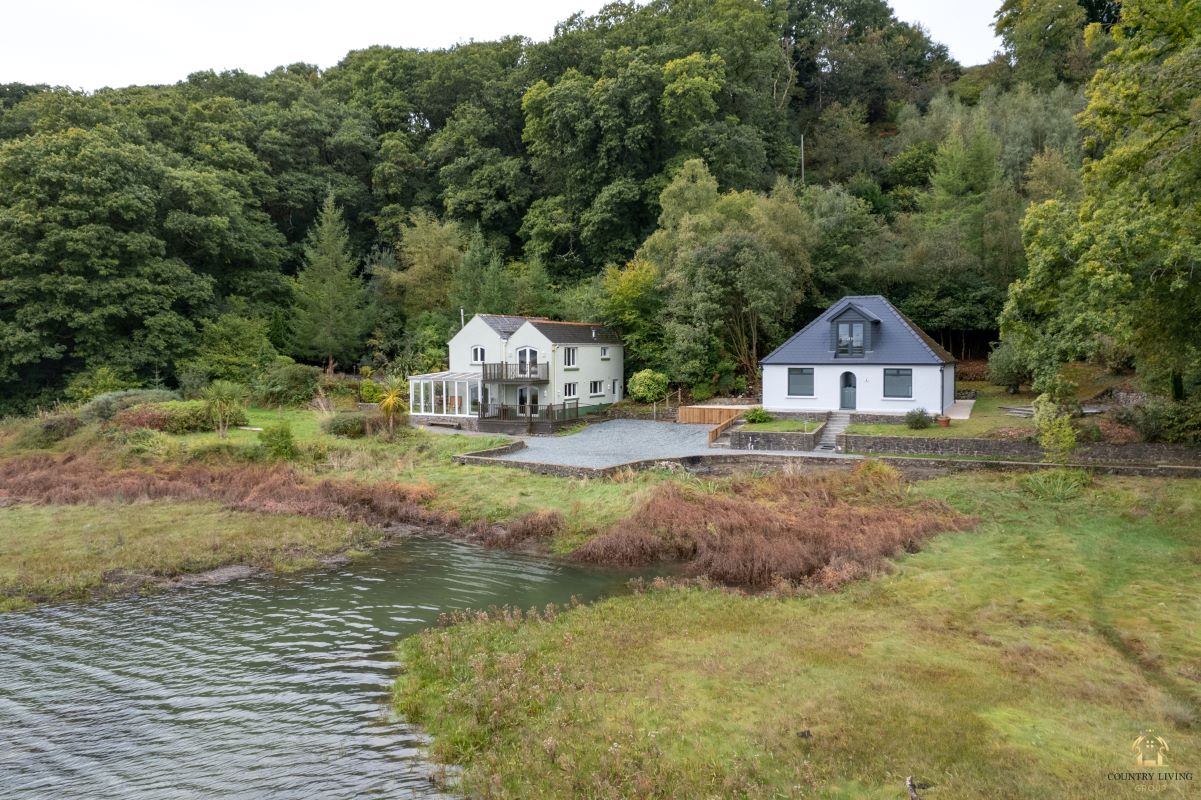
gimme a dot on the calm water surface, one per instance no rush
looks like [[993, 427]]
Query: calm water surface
[[261, 688]]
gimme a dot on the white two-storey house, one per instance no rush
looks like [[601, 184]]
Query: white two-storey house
[[512, 373]]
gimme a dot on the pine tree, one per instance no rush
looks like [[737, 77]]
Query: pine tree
[[330, 316]]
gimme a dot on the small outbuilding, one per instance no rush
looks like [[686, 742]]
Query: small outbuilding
[[860, 355]]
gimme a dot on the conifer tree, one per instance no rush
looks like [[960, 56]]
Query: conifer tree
[[330, 316]]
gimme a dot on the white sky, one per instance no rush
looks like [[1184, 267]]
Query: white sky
[[88, 44]]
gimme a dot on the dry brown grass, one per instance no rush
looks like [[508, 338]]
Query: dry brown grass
[[537, 527], [822, 530], [72, 480]]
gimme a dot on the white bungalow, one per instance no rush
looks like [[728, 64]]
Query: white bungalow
[[860, 355]]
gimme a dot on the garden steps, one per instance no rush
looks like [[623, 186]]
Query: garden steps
[[835, 424]]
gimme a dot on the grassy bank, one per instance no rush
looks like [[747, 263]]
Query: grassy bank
[[988, 419], [1019, 660], [55, 553]]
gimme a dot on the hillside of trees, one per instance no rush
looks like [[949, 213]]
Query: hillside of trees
[[705, 175]]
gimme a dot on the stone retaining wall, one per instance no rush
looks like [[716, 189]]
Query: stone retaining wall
[[775, 440], [878, 419], [464, 423], [1136, 453], [623, 412]]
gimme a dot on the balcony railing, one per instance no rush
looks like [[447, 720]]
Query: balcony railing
[[517, 373], [547, 412]]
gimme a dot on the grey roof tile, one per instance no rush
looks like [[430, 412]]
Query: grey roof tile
[[896, 341]]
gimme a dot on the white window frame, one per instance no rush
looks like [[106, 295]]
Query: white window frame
[[481, 351], [604, 352], [569, 356], [592, 388], [571, 390]]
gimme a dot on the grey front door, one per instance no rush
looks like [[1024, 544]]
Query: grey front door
[[848, 390]]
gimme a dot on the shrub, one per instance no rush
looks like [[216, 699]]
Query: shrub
[[144, 416], [370, 391], [142, 441], [349, 426], [192, 380], [757, 414], [45, 431], [1055, 484], [918, 418], [93, 382], [339, 386], [225, 401], [174, 416], [703, 391], [288, 384], [1056, 435], [1163, 420], [648, 386], [1008, 367], [233, 348], [104, 407], [277, 440]]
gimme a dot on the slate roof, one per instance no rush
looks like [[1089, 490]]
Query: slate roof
[[575, 332], [895, 339], [504, 324]]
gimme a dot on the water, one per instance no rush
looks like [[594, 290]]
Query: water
[[261, 688]]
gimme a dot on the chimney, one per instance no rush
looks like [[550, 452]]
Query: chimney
[[594, 333]]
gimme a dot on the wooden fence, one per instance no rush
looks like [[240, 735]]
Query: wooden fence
[[708, 415], [720, 416]]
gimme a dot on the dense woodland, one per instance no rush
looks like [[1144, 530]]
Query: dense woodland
[[702, 174]]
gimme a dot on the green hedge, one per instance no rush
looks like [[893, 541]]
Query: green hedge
[[173, 416]]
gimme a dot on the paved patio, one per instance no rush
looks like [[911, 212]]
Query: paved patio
[[619, 441]]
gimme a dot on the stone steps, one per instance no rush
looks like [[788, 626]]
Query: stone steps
[[835, 424]]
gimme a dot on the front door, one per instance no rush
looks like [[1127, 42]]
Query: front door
[[527, 361], [527, 401], [848, 390]]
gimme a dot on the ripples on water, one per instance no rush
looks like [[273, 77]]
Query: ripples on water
[[261, 688]]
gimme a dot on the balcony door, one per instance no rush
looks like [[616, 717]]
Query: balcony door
[[527, 361]]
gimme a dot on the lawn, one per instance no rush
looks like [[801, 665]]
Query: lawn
[[1018, 661], [52, 553], [987, 417], [781, 426]]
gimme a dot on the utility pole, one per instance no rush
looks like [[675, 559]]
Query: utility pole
[[802, 159]]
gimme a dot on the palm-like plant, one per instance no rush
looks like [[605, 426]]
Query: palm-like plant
[[223, 400], [392, 400]]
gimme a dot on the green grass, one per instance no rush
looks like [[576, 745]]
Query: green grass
[[1018, 661], [987, 417], [781, 426], [54, 553]]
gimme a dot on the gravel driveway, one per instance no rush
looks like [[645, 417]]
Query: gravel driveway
[[618, 441]]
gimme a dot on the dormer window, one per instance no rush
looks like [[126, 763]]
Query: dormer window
[[850, 339]]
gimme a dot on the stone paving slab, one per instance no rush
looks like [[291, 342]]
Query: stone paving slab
[[619, 441]]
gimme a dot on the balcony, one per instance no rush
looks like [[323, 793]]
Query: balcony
[[516, 373]]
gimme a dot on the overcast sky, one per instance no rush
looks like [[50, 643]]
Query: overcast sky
[[88, 44]]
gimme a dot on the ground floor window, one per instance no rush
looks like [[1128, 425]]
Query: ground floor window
[[569, 390], [898, 383], [800, 382], [596, 388]]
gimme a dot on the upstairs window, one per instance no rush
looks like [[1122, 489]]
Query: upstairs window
[[604, 352], [850, 339], [569, 356], [477, 355]]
